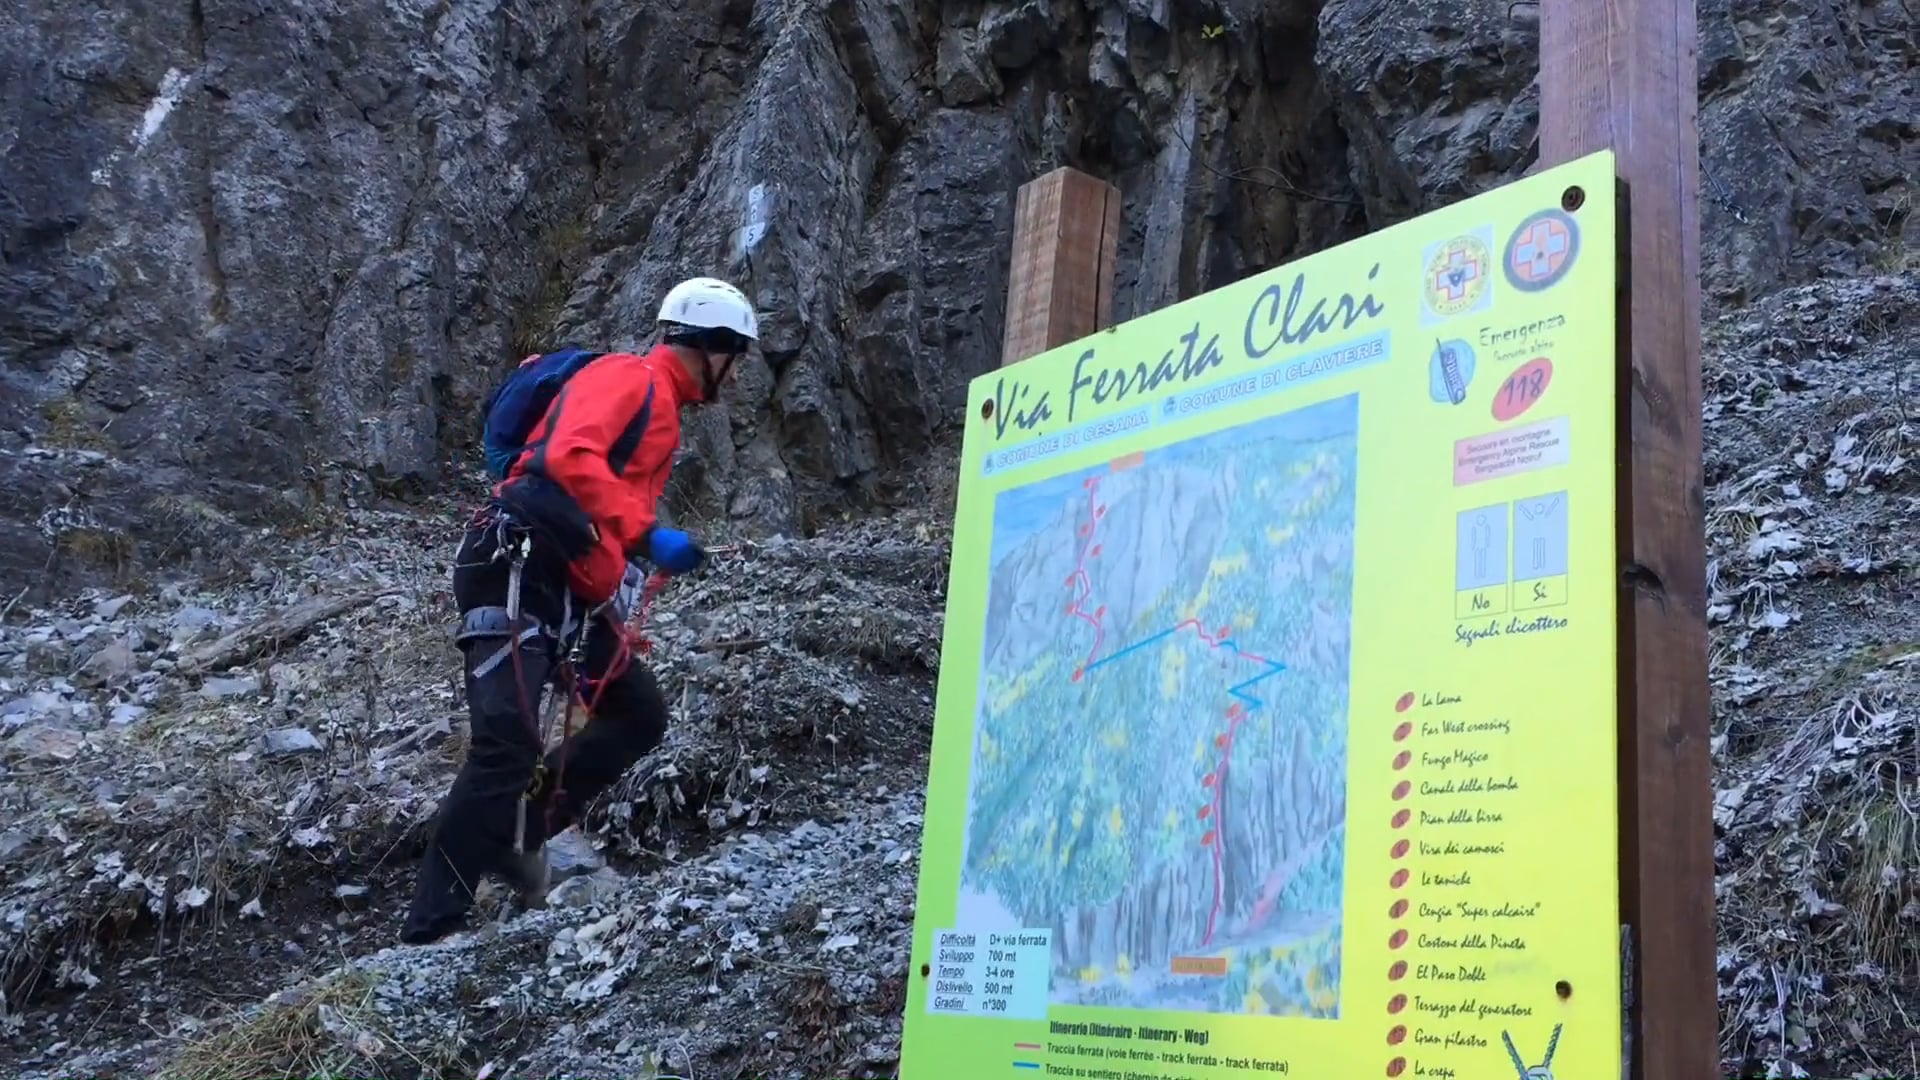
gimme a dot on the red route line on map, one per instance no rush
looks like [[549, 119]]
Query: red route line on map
[[1215, 838], [1088, 549]]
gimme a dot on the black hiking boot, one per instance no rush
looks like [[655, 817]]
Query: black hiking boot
[[416, 934]]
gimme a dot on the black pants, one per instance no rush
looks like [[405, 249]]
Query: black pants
[[475, 829]]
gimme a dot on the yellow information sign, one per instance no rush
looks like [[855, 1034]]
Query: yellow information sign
[[1276, 726]]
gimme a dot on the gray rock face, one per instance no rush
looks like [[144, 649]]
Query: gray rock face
[[1810, 139], [253, 250], [1807, 124], [275, 263]]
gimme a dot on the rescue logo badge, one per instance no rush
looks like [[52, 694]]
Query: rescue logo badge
[[1541, 250], [1458, 277]]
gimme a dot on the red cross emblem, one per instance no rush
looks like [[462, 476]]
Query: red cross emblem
[[1541, 250]]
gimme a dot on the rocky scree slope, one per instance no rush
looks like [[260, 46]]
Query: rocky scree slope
[[258, 259], [198, 816], [1813, 525]]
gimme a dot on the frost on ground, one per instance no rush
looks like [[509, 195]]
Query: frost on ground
[[182, 836], [203, 869], [1813, 525]]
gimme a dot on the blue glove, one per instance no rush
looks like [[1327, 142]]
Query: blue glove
[[674, 551]]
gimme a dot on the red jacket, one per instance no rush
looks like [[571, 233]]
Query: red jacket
[[608, 441]]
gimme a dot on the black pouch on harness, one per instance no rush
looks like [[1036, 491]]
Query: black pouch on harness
[[552, 514]]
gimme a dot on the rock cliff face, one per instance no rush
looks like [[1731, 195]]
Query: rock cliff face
[[261, 257], [256, 252]]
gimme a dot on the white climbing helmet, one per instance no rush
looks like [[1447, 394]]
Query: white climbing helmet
[[710, 303]]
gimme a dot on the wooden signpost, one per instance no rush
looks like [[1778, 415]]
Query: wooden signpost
[[1066, 228], [1621, 75], [1618, 75]]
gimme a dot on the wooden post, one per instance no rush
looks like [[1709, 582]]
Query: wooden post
[[1066, 227], [1621, 75]]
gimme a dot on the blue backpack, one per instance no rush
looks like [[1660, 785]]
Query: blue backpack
[[515, 407]]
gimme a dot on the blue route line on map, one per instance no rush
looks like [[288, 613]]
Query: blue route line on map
[[1237, 690]]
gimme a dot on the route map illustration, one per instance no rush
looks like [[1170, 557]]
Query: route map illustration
[[1160, 751]]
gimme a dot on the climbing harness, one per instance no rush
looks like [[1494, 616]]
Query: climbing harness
[[514, 543]]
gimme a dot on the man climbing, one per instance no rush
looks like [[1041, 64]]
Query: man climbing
[[539, 580]]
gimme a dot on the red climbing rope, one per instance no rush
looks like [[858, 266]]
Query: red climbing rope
[[630, 640]]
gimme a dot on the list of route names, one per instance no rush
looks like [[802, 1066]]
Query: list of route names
[[1001, 973], [1462, 793]]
